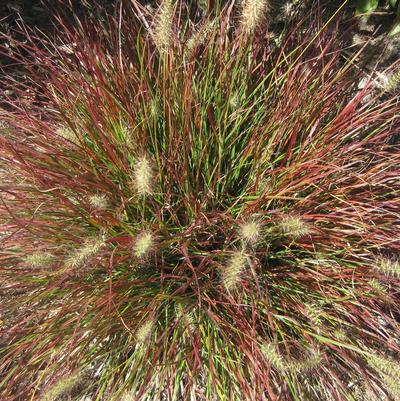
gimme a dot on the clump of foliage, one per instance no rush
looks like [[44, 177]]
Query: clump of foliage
[[195, 209]]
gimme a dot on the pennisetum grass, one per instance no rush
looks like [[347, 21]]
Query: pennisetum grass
[[193, 209]]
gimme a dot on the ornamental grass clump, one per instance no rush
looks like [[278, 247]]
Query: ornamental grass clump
[[214, 224]]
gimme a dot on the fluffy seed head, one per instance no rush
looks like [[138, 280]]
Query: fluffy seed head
[[340, 334], [289, 8], [128, 396], [392, 385], [198, 38], [143, 244], [311, 362], [389, 267], [393, 83], [62, 387], [293, 226], [313, 312], [80, 256], [143, 176], [144, 331], [271, 356], [233, 270], [389, 370], [376, 286], [67, 133], [185, 318], [234, 101], [253, 14], [39, 259], [163, 27], [384, 364], [250, 232], [123, 132], [154, 107], [98, 201]]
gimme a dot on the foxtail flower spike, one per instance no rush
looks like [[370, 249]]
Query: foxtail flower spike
[[163, 26], [250, 232], [98, 201], [233, 270], [143, 176], [80, 256], [144, 331], [62, 388], [271, 356], [143, 244], [389, 267], [294, 226], [253, 15], [39, 259]]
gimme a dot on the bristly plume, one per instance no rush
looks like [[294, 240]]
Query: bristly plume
[[313, 313], [143, 176], [98, 202], [185, 318], [250, 232], [273, 357], [389, 267], [289, 8], [81, 255], [311, 362], [377, 286], [389, 371], [383, 364], [294, 226], [68, 134], [233, 270], [143, 244], [198, 38], [162, 33], [253, 15], [144, 331], [393, 83], [39, 259], [62, 388], [392, 384]]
